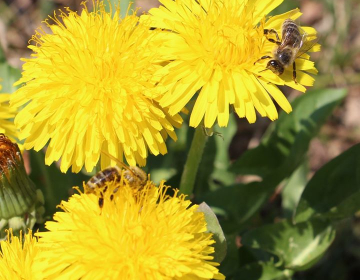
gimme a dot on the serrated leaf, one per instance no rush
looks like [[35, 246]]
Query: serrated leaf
[[297, 246], [284, 149], [334, 190], [214, 227], [263, 271]]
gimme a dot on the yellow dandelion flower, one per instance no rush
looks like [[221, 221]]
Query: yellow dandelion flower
[[87, 89], [142, 234], [213, 46], [17, 257], [7, 115]]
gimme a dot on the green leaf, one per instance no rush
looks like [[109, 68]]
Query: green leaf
[[214, 227], [231, 262], [169, 166], [284, 149], [111, 5], [297, 246], [222, 159], [239, 256], [278, 155], [334, 190], [293, 189], [8, 76], [54, 184], [46, 8], [347, 208], [204, 176], [2, 55], [124, 6], [213, 169], [159, 174], [239, 202], [263, 271]]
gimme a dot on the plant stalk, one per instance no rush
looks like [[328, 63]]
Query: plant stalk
[[193, 160]]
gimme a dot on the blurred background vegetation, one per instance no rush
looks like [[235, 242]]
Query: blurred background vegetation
[[337, 23]]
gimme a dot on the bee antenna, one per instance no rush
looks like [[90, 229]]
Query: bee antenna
[[118, 162]]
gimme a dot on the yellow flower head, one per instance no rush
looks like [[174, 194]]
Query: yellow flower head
[[7, 115], [87, 89], [17, 257], [137, 233], [214, 47]]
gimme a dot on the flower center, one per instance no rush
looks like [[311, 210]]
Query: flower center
[[228, 38]]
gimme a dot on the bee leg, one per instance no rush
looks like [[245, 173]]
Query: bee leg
[[101, 200], [263, 57], [273, 41], [272, 31], [114, 191], [294, 72]]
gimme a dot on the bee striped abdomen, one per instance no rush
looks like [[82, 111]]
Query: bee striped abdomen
[[291, 33], [106, 175]]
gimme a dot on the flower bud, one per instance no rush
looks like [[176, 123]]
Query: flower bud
[[18, 194]]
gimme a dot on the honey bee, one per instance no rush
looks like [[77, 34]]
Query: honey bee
[[134, 175], [294, 42]]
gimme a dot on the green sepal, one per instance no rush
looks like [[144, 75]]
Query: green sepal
[[213, 226]]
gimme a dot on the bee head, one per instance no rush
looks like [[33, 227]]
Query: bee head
[[136, 175], [275, 66]]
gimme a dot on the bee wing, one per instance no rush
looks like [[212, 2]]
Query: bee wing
[[306, 47], [309, 41], [118, 162], [310, 32]]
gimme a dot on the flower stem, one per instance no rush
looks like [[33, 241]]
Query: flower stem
[[192, 162]]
